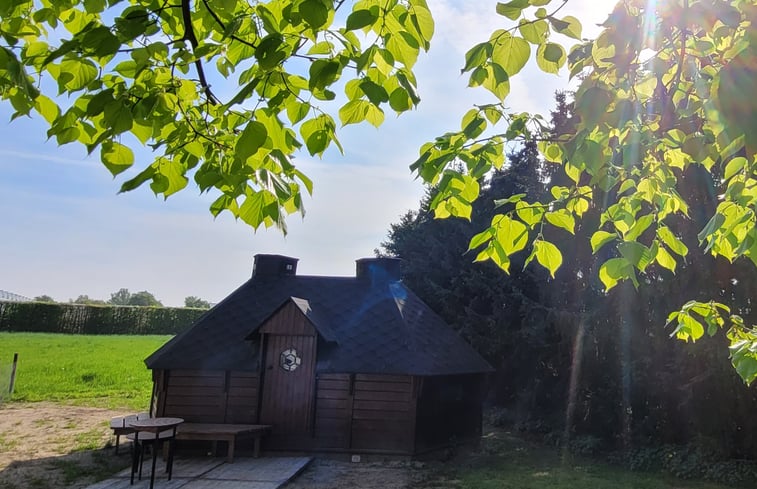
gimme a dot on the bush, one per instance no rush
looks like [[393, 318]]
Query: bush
[[41, 317]]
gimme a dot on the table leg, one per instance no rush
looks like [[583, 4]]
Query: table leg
[[154, 459], [171, 448], [134, 459], [230, 452], [256, 449]]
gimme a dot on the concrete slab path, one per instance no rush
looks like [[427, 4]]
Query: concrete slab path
[[193, 473]]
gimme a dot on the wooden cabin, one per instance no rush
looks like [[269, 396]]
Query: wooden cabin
[[348, 364]]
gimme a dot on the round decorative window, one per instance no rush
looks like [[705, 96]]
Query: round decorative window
[[289, 360]]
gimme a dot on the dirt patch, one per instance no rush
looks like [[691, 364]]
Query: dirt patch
[[46, 445], [52, 446]]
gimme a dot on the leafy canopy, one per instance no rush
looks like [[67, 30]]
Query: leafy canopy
[[666, 85], [158, 72]]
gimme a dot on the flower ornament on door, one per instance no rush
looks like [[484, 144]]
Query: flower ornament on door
[[289, 360]]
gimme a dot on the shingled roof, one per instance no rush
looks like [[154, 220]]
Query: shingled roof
[[366, 325]]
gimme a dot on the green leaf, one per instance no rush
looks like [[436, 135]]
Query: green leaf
[[250, 141], [512, 10], [743, 348], [316, 135], [638, 227], [512, 235], [481, 238], [568, 25], [314, 12], [734, 166], [116, 157], [711, 227], [424, 23], [614, 270], [553, 153], [550, 57], [511, 53], [665, 259], [354, 112], [361, 18], [531, 214], [375, 92], [534, 32], [258, 207], [601, 238], [169, 177], [636, 254], [688, 328], [671, 241], [497, 81], [477, 56], [270, 52], [323, 73], [47, 108], [548, 256], [562, 218], [399, 100], [80, 73]]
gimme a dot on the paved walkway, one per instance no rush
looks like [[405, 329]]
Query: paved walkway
[[244, 473]]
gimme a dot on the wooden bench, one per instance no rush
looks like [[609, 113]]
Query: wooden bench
[[223, 432]]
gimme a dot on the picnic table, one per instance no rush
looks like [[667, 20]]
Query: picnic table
[[152, 431]]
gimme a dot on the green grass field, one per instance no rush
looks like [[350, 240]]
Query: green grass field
[[103, 371]]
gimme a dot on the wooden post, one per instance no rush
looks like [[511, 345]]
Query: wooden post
[[13, 373]]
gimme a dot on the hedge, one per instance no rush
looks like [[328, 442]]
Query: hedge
[[45, 317]]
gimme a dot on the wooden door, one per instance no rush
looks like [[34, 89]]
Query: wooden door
[[288, 385]]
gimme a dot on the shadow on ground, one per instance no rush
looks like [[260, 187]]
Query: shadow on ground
[[74, 470]]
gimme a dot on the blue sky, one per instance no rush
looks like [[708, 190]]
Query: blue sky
[[66, 231]]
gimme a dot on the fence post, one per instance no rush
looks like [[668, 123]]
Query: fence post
[[13, 373]]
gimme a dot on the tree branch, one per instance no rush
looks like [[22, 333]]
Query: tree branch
[[189, 35], [223, 26]]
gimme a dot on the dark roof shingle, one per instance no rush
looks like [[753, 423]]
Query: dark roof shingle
[[372, 327]]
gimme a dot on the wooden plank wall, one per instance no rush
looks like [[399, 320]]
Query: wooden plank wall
[[242, 400], [210, 396], [383, 415], [333, 411], [196, 395]]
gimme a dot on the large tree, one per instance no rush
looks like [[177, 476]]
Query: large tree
[[196, 302], [666, 86]]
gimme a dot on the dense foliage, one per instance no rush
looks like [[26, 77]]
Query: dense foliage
[[664, 100], [156, 71], [43, 317], [592, 368]]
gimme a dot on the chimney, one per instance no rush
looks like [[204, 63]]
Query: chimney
[[378, 269], [274, 266]]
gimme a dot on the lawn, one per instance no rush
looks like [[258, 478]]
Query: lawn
[[93, 370], [508, 462]]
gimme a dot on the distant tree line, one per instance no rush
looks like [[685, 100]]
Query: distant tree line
[[575, 363], [123, 297]]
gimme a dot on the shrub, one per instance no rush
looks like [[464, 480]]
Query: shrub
[[41, 317]]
